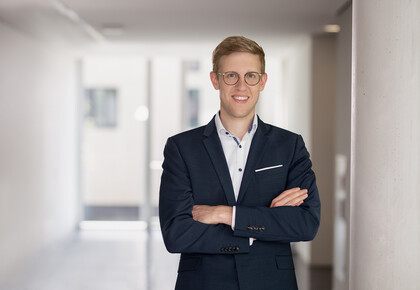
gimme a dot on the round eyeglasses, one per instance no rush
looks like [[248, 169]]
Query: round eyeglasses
[[231, 78]]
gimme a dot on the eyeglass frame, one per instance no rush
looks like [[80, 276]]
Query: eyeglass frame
[[239, 77]]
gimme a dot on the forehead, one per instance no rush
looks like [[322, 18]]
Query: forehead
[[240, 61]]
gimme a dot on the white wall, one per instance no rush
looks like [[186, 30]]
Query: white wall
[[166, 112], [324, 47], [117, 154], [38, 200], [209, 101], [297, 66], [342, 153], [385, 168]]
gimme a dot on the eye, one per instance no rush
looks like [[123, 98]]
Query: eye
[[252, 75], [231, 75]]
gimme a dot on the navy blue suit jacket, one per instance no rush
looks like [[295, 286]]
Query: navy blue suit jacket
[[214, 256]]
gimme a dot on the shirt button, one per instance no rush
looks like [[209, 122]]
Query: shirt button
[[240, 169], [240, 146], [227, 133]]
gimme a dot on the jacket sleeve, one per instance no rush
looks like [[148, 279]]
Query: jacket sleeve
[[181, 234], [285, 223]]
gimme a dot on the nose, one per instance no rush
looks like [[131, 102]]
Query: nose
[[241, 84]]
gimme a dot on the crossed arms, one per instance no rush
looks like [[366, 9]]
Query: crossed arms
[[222, 214], [189, 226]]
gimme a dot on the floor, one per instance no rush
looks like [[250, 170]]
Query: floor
[[120, 260]]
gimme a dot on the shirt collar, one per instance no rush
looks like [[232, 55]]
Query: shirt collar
[[221, 129]]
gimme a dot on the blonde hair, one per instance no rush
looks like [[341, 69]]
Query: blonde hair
[[233, 44]]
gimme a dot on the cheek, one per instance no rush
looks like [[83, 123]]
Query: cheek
[[256, 92], [225, 92]]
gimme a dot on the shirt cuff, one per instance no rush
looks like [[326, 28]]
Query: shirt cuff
[[233, 217], [251, 240]]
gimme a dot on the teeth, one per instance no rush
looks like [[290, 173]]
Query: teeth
[[241, 98]]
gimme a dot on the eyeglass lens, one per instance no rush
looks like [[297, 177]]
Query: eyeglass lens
[[251, 78]]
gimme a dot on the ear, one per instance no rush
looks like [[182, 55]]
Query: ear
[[214, 80], [263, 81]]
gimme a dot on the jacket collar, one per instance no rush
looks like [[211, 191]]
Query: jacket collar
[[214, 148], [211, 126]]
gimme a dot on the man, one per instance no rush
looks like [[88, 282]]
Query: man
[[236, 192]]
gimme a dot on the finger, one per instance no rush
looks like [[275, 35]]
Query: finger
[[284, 194], [297, 200], [197, 216], [194, 212], [196, 208], [293, 196], [301, 197], [291, 203], [292, 200]]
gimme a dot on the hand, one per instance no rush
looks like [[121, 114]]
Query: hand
[[291, 197], [207, 214]]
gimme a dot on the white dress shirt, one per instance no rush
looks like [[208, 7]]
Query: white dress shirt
[[236, 153]]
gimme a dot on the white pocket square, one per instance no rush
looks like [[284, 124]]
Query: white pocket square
[[268, 168]]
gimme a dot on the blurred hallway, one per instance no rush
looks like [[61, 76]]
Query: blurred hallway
[[89, 92], [94, 259], [123, 260], [344, 74]]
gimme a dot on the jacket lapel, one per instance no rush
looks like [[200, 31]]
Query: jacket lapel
[[255, 154], [214, 148]]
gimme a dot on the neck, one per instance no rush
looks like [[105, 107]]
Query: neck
[[237, 126]]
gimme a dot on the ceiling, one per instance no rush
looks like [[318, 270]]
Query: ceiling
[[170, 20]]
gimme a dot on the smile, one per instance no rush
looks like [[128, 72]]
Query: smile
[[241, 98]]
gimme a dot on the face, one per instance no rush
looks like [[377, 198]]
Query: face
[[238, 101]]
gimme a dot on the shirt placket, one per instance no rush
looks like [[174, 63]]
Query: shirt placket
[[240, 165]]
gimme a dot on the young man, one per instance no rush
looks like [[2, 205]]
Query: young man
[[236, 192]]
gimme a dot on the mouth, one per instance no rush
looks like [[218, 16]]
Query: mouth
[[240, 99]]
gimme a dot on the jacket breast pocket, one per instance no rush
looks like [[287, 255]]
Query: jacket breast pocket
[[271, 173], [277, 175], [270, 183]]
